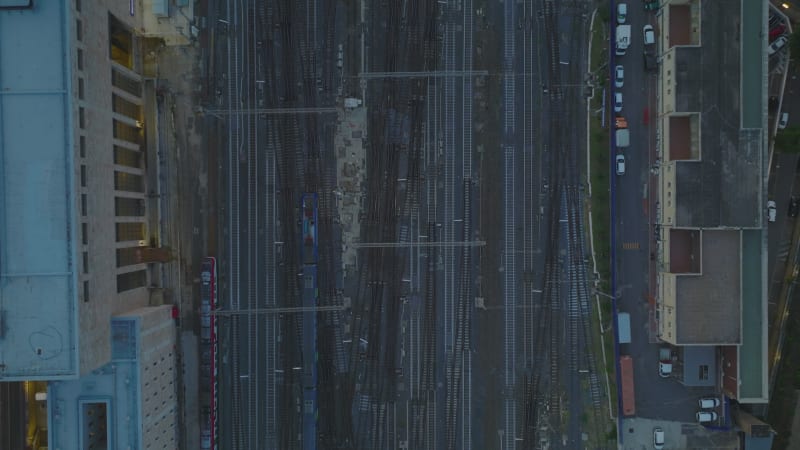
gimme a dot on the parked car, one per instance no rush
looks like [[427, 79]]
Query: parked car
[[622, 12], [620, 164], [618, 102], [772, 210], [650, 63], [649, 35], [658, 438], [776, 31], [777, 45], [619, 76], [783, 120], [706, 416], [708, 402], [650, 5], [794, 206]]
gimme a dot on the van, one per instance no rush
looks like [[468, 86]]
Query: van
[[772, 210], [622, 12], [658, 438]]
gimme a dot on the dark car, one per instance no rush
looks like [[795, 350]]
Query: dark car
[[650, 63], [794, 206], [776, 31]]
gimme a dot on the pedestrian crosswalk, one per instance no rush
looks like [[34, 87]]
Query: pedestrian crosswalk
[[630, 246]]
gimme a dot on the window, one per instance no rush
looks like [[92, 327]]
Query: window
[[94, 423], [78, 5], [128, 256], [85, 233], [81, 118], [85, 262], [128, 206], [703, 375], [127, 157], [82, 146], [86, 291], [80, 59], [124, 181], [120, 42], [127, 84], [127, 132], [83, 205], [131, 280], [83, 175], [80, 88], [79, 30], [130, 231], [122, 106]]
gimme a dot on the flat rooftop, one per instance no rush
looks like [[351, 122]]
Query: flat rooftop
[[723, 188], [37, 219], [752, 356], [708, 306]]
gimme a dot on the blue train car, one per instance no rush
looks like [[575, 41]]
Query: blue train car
[[309, 327], [310, 296], [309, 232]]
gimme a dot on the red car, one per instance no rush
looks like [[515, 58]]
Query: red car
[[776, 31]]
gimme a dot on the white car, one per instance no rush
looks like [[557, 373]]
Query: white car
[[772, 210], [649, 35], [658, 438], [708, 403], [622, 12], [776, 45], [706, 416], [619, 76], [620, 164], [783, 121], [618, 102]]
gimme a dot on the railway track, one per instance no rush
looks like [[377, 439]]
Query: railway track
[[580, 312], [388, 211], [234, 141]]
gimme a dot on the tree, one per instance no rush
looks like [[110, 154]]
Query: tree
[[788, 140], [794, 43]]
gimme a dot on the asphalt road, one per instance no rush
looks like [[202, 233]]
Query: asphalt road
[[656, 398], [781, 185]]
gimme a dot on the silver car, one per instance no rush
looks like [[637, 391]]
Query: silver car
[[706, 416], [618, 102], [777, 44], [620, 164], [619, 76], [708, 403]]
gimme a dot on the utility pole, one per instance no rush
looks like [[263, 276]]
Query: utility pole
[[277, 310], [418, 244], [269, 111]]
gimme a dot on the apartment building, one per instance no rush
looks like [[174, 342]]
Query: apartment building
[[712, 235]]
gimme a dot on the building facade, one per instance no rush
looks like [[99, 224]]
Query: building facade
[[80, 234]]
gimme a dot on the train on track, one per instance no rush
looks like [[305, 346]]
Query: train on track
[[208, 355], [310, 295]]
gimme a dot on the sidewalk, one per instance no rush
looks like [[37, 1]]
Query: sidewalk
[[182, 165]]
